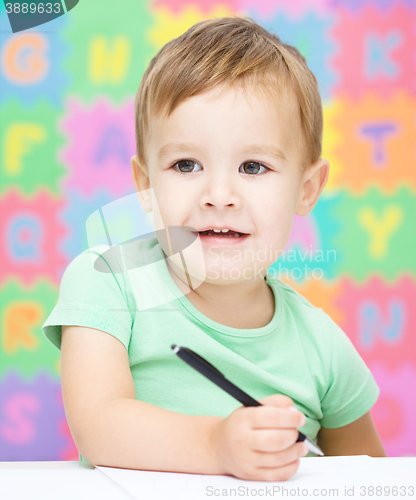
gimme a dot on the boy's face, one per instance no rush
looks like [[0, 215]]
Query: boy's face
[[219, 185]]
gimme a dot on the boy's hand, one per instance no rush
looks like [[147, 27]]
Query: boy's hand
[[259, 442]]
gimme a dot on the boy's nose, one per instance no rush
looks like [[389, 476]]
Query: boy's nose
[[221, 191]]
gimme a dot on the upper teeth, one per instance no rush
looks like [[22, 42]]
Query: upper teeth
[[236, 235]]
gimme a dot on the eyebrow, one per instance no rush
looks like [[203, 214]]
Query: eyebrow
[[182, 147]]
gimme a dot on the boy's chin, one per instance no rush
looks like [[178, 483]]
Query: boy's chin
[[223, 275], [199, 272]]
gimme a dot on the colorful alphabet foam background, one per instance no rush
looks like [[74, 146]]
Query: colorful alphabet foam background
[[67, 134]]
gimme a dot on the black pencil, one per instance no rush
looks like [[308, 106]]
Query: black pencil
[[208, 370]]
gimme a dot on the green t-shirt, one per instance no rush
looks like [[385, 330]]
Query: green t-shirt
[[301, 353]]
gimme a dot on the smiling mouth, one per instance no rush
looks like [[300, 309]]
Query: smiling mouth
[[229, 234]]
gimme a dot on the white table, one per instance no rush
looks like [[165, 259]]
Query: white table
[[56, 480], [316, 478]]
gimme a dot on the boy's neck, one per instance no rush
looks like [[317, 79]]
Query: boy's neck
[[249, 304]]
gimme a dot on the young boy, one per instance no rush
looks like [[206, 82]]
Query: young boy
[[228, 128]]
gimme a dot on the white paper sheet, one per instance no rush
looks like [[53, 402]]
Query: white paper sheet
[[351, 477], [58, 484]]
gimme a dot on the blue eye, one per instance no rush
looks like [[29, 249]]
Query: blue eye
[[187, 166], [255, 169]]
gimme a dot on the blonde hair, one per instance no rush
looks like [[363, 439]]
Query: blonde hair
[[227, 51]]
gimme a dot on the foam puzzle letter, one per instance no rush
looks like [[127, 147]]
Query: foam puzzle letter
[[378, 134], [20, 139], [371, 323], [378, 54], [19, 319], [25, 234], [18, 427], [381, 229], [25, 60], [108, 63]]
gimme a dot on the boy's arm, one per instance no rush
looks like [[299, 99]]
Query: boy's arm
[[110, 427], [357, 438]]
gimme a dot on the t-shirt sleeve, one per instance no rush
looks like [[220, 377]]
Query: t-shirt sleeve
[[92, 298], [352, 390]]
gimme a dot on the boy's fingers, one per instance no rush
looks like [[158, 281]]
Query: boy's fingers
[[279, 400], [270, 417], [272, 440], [283, 458], [277, 473]]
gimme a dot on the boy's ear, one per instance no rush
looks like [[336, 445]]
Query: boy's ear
[[313, 182], [141, 182]]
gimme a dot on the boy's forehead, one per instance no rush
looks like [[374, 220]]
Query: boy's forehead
[[282, 98], [281, 104]]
